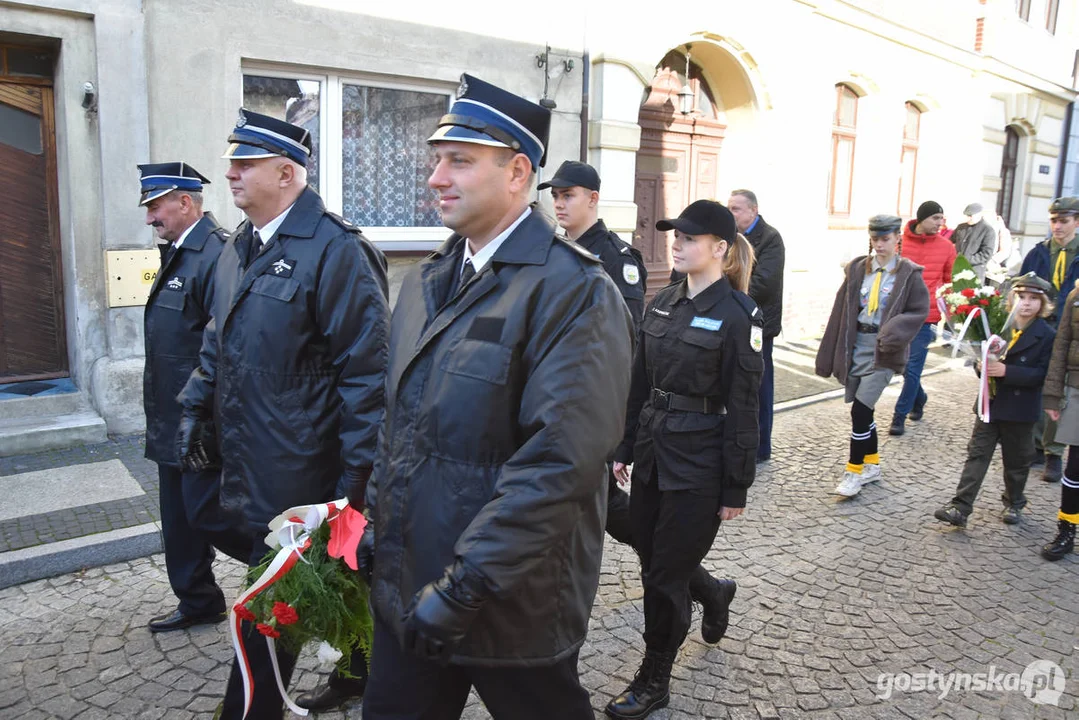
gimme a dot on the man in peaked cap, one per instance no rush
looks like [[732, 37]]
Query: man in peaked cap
[[294, 361], [1056, 260], [177, 310], [975, 239], [506, 392]]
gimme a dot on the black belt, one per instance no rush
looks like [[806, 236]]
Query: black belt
[[863, 328], [685, 403]]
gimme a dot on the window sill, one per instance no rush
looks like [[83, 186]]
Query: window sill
[[407, 239]]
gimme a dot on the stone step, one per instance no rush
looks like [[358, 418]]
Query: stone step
[[41, 406], [22, 435]]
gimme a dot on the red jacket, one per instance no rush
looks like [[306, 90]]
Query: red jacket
[[936, 255]]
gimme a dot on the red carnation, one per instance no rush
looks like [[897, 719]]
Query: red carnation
[[243, 613], [984, 302], [267, 631], [285, 613], [967, 293], [962, 309]]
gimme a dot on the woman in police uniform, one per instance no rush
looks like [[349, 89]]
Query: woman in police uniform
[[691, 430]]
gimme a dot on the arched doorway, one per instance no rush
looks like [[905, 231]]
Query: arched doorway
[[678, 160]]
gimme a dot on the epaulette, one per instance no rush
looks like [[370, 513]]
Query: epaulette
[[749, 306], [577, 249], [344, 224]]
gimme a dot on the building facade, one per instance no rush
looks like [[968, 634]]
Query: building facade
[[830, 111]]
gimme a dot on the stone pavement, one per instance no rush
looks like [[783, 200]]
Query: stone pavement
[[839, 601]]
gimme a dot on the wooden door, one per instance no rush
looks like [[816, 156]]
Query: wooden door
[[677, 163], [32, 335]]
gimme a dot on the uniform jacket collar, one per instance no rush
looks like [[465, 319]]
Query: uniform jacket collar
[[1037, 329], [305, 215], [707, 298], [592, 237], [196, 239], [529, 244]]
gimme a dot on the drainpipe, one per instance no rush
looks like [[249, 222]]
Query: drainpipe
[[586, 72]]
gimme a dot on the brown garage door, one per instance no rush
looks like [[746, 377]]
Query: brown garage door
[[32, 332]]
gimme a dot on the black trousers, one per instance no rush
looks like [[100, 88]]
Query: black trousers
[[188, 555], [673, 531], [1016, 450], [405, 687], [225, 529]]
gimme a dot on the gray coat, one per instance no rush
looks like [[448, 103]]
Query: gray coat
[[503, 400], [901, 320], [976, 243]]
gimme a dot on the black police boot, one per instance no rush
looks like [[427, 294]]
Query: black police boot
[[1062, 544], [918, 411], [1054, 468], [898, 423], [715, 598], [1039, 458], [650, 689]]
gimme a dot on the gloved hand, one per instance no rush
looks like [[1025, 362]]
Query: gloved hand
[[353, 485], [441, 613], [196, 444], [365, 551]]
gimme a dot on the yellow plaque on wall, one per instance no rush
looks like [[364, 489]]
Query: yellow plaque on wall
[[130, 273]]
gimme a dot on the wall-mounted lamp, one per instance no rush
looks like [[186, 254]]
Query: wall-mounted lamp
[[89, 96], [543, 60], [685, 95]]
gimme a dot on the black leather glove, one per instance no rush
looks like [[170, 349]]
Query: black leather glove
[[353, 485], [196, 444], [441, 613], [365, 551]]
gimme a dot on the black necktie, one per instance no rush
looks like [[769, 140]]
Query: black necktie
[[258, 244], [467, 273]]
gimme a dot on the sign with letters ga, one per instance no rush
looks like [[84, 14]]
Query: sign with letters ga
[[129, 275]]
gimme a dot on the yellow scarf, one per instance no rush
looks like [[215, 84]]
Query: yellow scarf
[[874, 294], [1060, 269], [1015, 338]]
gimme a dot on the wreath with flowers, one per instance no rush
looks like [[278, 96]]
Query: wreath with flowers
[[972, 312], [307, 589]]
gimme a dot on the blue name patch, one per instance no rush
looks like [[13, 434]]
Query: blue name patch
[[706, 323]]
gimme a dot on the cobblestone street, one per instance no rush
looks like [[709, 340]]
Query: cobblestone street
[[832, 594]]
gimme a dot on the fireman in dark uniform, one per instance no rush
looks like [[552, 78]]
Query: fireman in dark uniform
[[177, 309], [691, 430], [575, 191]]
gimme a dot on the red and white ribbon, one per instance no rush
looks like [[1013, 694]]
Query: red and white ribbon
[[292, 535]]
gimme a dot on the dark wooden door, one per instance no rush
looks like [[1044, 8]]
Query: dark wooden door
[[677, 163], [32, 335]]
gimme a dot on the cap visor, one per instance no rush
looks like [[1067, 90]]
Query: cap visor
[[682, 225], [240, 150], [456, 133], [558, 183], [151, 195]]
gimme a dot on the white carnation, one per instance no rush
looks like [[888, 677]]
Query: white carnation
[[986, 291], [955, 300], [328, 656], [965, 275], [947, 288]]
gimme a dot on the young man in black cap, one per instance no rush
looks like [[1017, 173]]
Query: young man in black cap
[[575, 189], [294, 361], [506, 387], [177, 309]]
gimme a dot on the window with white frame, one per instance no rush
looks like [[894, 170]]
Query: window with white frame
[[371, 160]]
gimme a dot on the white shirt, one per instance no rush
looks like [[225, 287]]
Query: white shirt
[[187, 232], [480, 259], [267, 231]]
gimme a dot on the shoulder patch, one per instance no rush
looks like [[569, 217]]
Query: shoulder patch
[[631, 274], [580, 251], [756, 338]]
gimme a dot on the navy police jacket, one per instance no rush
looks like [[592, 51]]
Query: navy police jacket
[[504, 397], [708, 346], [1037, 261], [294, 360], [177, 309], [1019, 393]]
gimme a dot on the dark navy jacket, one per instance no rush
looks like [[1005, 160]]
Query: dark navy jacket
[[294, 360], [1037, 261], [178, 308], [622, 262], [1019, 393]]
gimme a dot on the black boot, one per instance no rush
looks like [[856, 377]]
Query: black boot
[[1063, 543], [337, 689], [898, 422], [715, 598], [650, 689], [1054, 469]]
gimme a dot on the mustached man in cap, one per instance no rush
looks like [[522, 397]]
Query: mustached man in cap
[[1057, 261], [506, 387], [177, 309], [294, 361]]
